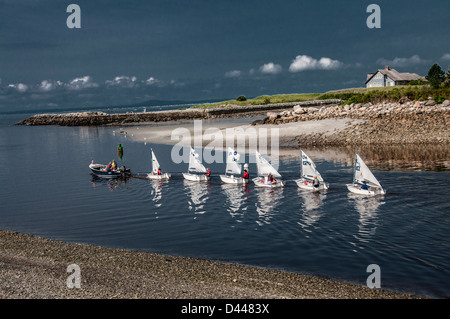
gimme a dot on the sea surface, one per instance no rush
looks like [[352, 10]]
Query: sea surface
[[47, 190]]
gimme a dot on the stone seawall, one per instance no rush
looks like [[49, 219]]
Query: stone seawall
[[100, 118]]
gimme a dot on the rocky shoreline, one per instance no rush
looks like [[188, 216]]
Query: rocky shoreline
[[36, 268], [404, 122], [101, 118]]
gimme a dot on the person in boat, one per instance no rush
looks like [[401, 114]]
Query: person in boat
[[108, 167], [271, 179], [316, 182], [245, 176], [113, 165], [208, 172], [364, 185], [159, 171]]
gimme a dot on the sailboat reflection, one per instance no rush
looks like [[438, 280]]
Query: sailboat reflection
[[268, 200], [367, 208], [156, 191], [311, 212], [198, 193], [236, 196]]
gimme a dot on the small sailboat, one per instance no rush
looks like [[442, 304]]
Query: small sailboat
[[265, 171], [233, 168], [364, 182], [308, 173], [155, 168], [195, 168]]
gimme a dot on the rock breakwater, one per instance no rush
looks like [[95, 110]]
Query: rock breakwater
[[383, 123]]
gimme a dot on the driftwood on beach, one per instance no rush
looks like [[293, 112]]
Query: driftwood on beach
[[100, 118]]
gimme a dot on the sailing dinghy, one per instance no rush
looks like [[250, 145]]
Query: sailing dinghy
[[233, 168], [155, 168], [195, 168], [364, 182], [264, 170], [309, 172]]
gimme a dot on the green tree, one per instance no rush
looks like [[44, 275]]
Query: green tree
[[241, 98], [435, 76]]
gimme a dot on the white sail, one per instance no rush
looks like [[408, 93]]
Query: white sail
[[308, 168], [363, 173], [233, 166], [264, 167], [194, 163], [155, 164]]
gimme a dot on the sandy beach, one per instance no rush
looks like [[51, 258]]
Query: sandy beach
[[36, 268]]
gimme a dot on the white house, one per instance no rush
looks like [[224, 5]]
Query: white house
[[390, 77]]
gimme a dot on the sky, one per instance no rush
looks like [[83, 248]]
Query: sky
[[131, 52]]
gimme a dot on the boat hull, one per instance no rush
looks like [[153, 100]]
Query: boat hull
[[262, 182], [233, 180], [371, 191], [196, 177], [158, 177], [308, 185]]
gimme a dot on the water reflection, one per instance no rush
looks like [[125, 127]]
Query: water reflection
[[367, 207], [111, 183], [156, 191], [198, 193], [311, 212], [237, 196], [399, 156], [268, 200]]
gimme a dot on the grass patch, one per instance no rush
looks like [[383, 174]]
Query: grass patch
[[261, 100], [349, 96], [390, 94]]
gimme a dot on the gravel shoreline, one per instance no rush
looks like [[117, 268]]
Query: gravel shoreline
[[32, 267]]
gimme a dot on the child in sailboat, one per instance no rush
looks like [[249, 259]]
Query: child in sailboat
[[245, 176], [208, 172], [316, 182]]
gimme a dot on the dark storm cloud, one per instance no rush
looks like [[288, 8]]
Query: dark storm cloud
[[196, 50]]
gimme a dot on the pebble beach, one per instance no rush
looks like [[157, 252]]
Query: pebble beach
[[36, 268]]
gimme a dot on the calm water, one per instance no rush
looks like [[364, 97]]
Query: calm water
[[47, 190]]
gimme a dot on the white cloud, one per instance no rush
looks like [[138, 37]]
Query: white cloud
[[305, 62], [402, 62], [46, 86], [124, 81], [233, 74], [80, 83], [20, 87], [446, 56], [270, 68], [151, 80]]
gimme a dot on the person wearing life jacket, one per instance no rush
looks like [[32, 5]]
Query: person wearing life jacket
[[364, 185], [113, 165], [208, 172], [108, 167], [159, 171], [246, 176], [270, 179], [316, 182]]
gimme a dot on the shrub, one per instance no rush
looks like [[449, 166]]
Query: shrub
[[241, 98], [439, 99]]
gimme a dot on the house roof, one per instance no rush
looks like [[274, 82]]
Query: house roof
[[395, 75]]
